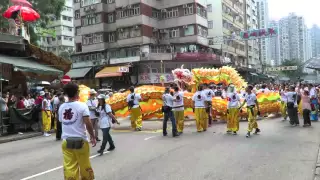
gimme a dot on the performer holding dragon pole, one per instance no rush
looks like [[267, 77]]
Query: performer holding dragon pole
[[233, 110], [252, 109]]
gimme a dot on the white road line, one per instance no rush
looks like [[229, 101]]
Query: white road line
[[146, 139], [57, 168]]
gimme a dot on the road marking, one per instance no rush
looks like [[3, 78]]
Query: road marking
[[57, 168], [146, 139]]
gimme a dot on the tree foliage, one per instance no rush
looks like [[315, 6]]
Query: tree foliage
[[296, 73], [46, 9]]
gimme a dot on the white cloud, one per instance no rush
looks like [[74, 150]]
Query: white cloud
[[309, 9]]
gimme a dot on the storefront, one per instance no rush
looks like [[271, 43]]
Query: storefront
[[115, 77]]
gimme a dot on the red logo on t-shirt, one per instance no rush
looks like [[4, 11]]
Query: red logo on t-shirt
[[68, 114]]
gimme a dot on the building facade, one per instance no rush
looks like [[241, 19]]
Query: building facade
[[274, 46], [263, 18], [225, 22], [293, 38], [315, 40], [155, 36], [61, 32]]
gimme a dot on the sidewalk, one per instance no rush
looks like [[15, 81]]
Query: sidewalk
[[19, 136]]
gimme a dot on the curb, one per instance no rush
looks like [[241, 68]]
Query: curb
[[317, 167], [6, 140]]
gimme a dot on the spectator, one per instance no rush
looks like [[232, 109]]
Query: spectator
[[20, 104]]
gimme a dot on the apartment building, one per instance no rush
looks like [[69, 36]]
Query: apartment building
[[252, 23], [61, 36], [274, 46], [263, 18], [155, 35], [225, 22], [315, 40]]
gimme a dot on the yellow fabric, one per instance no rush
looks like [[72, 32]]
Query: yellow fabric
[[300, 108], [252, 120], [46, 121], [136, 118], [179, 116], [76, 162], [201, 119], [233, 119], [283, 109]]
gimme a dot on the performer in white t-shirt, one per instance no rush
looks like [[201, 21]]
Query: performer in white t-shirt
[[252, 110], [178, 109], [74, 116], [92, 103], [199, 99], [133, 100], [233, 110]]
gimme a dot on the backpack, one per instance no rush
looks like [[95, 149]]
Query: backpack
[[131, 101]]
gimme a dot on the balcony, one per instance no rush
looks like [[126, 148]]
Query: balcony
[[229, 3], [187, 39], [226, 31], [241, 53], [227, 17], [239, 24], [229, 49], [157, 56], [196, 56], [124, 60]]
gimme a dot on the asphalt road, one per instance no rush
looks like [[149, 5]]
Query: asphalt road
[[280, 152]]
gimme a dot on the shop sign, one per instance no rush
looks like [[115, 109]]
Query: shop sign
[[124, 69], [154, 78], [259, 33]]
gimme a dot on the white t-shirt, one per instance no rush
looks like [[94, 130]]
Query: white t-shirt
[[48, 105], [209, 94], [105, 120], [137, 98], [71, 116], [283, 96], [292, 97], [92, 103], [167, 100], [233, 100], [251, 99], [199, 98], [178, 103]]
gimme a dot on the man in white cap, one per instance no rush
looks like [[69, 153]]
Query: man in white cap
[[93, 104]]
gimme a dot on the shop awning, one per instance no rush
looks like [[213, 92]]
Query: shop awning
[[27, 64], [114, 71], [78, 73], [254, 74]]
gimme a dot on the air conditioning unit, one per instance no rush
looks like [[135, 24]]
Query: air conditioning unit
[[129, 6], [124, 7], [210, 42], [161, 30], [163, 10], [121, 30], [86, 9], [136, 27], [185, 27], [185, 6], [154, 29], [93, 7]]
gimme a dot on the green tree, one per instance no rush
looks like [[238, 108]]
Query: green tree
[[296, 73], [46, 8]]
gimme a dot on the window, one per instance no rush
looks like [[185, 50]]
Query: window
[[202, 31], [172, 13], [89, 2], [155, 14], [65, 18], [70, 29], [91, 19], [188, 10], [174, 33], [209, 7], [98, 38], [135, 32], [69, 18], [210, 24], [76, 1], [78, 30], [112, 37], [65, 38], [110, 18], [110, 1], [123, 34], [59, 37], [77, 14], [136, 9], [87, 39], [70, 39]]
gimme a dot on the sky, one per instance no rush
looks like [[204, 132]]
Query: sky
[[309, 9]]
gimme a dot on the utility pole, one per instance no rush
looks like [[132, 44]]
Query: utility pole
[[246, 41]]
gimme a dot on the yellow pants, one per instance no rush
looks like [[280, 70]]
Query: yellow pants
[[76, 162], [233, 120], [46, 121], [179, 116], [300, 108], [283, 110], [201, 119], [252, 119], [136, 118]]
